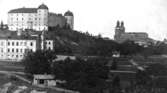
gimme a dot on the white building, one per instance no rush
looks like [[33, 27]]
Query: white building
[[37, 19], [44, 80], [13, 47], [28, 18]]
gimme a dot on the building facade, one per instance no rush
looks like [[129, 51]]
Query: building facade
[[14, 47], [28, 18], [56, 20], [38, 19]]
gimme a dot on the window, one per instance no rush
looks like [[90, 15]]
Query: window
[[17, 43], [31, 44], [8, 50], [49, 48], [41, 81], [17, 50], [49, 43], [12, 43], [21, 50], [12, 49], [8, 43], [25, 43], [1, 43], [16, 56]]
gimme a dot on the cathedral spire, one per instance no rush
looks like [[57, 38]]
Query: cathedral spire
[[122, 23], [118, 24]]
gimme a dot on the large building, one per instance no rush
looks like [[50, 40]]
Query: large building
[[14, 45], [38, 19], [120, 36]]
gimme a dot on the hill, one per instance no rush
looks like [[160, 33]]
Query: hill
[[78, 43]]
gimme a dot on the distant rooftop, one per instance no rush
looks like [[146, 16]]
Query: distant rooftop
[[23, 10]]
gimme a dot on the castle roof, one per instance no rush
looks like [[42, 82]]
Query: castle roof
[[43, 6], [68, 13], [23, 10]]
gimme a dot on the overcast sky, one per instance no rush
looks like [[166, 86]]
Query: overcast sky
[[100, 16]]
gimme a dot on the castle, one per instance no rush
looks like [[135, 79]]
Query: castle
[[37, 19], [121, 36]]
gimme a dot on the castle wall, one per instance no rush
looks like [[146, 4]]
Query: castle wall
[[55, 20]]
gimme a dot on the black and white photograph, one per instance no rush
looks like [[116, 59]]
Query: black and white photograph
[[83, 46]]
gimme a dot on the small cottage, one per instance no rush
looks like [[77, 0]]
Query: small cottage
[[44, 80]]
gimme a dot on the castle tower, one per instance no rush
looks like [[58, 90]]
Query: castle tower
[[42, 13], [70, 18]]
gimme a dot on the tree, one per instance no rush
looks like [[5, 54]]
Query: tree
[[38, 62], [130, 48], [85, 76]]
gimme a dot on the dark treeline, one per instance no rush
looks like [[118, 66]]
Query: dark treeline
[[86, 76], [90, 75]]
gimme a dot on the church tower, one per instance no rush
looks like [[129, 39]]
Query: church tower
[[119, 29]]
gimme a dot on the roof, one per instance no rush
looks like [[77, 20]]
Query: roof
[[43, 6], [23, 10], [43, 76], [68, 13]]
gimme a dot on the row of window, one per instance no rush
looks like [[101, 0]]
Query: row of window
[[19, 43], [16, 50], [12, 56], [28, 19], [15, 56]]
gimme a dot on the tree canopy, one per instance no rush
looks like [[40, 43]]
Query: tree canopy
[[38, 62]]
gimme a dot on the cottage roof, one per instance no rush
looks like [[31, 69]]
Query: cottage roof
[[43, 76]]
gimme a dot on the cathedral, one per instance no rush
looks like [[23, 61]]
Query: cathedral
[[121, 36]]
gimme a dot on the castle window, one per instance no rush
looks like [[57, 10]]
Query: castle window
[[21, 50], [17, 50], [12, 49], [8, 43], [21, 43], [25, 43], [1, 43], [17, 43], [8, 50], [12, 43]]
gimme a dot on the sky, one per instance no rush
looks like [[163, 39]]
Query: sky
[[100, 16]]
